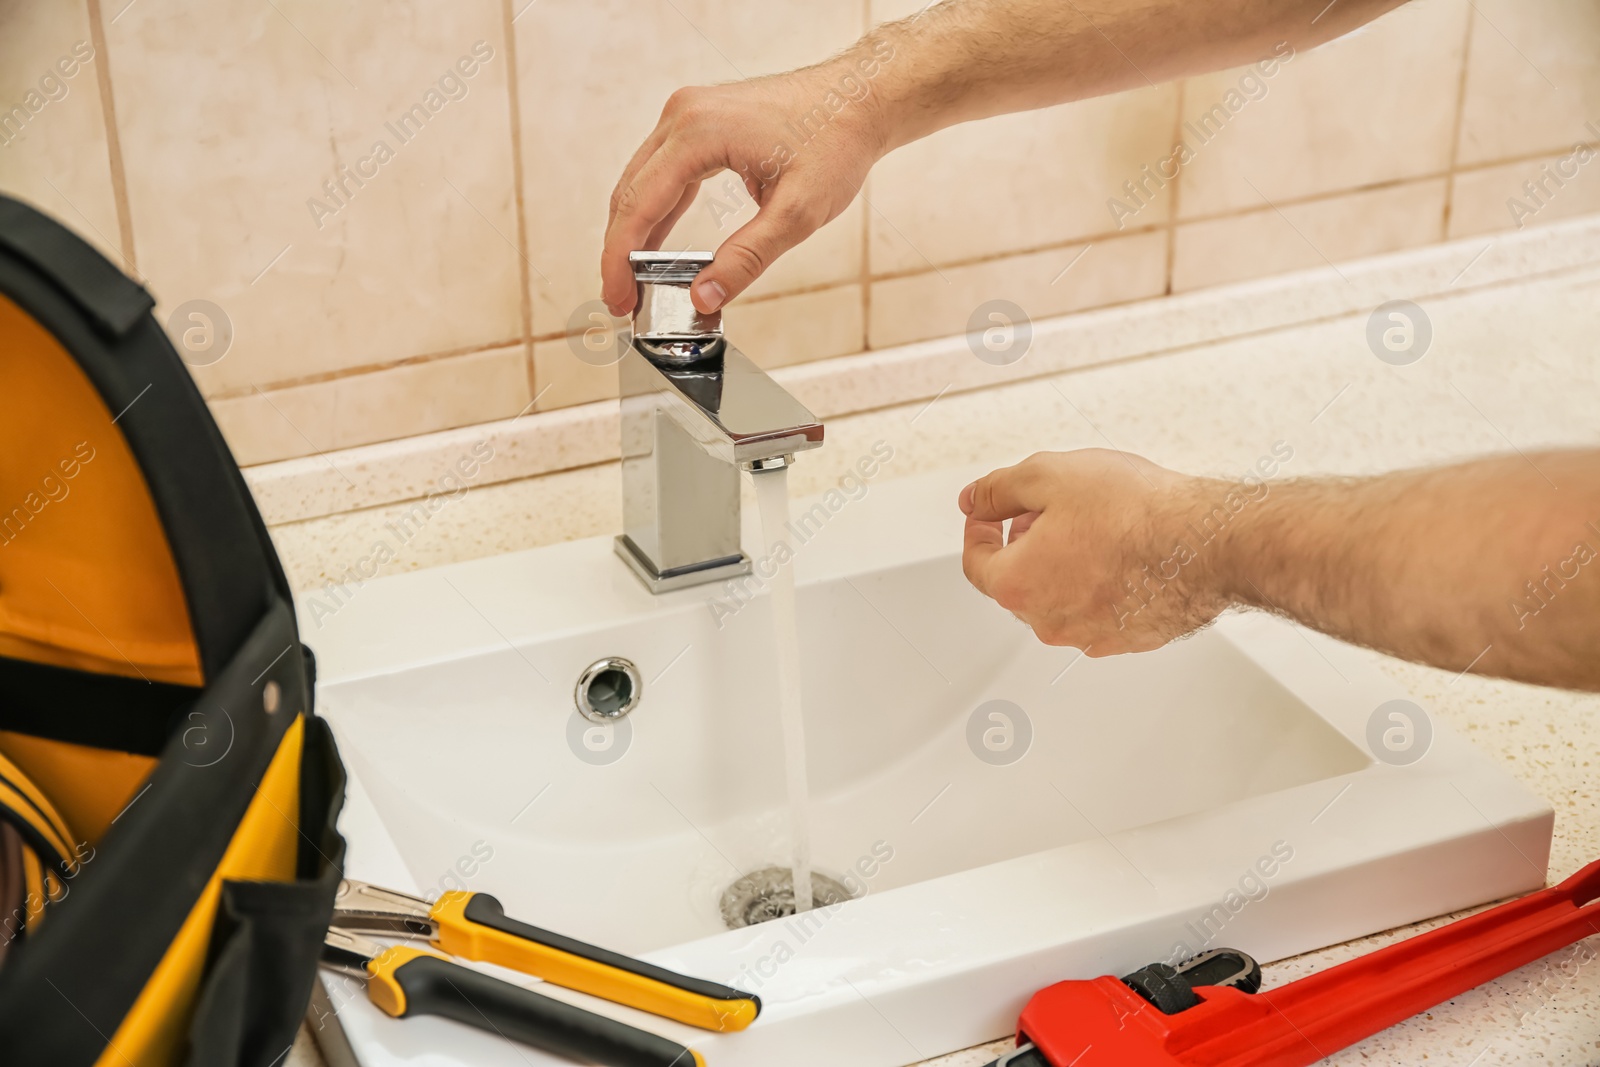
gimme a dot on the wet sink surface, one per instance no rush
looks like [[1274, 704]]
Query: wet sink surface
[[1009, 813]]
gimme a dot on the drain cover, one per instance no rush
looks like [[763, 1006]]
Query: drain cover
[[769, 894]]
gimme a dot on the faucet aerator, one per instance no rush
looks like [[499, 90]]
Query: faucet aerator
[[772, 463]]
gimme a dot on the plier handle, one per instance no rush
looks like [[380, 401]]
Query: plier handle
[[404, 981], [474, 926]]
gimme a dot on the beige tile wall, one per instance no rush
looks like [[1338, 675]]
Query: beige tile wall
[[229, 153], [53, 150]]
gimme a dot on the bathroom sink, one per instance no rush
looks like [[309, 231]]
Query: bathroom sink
[[1009, 814]]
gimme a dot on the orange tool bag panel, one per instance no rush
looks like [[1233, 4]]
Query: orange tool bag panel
[[168, 857]]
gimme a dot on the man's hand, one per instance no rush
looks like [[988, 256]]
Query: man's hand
[[754, 129], [1095, 557], [1492, 565], [803, 157]]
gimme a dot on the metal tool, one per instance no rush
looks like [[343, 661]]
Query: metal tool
[[1191, 1021], [403, 981], [474, 926]]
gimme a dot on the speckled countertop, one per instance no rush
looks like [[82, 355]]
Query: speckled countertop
[[1515, 367]]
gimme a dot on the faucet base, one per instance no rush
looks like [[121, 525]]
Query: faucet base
[[713, 570]]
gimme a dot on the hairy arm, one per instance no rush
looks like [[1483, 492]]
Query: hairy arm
[[804, 141], [1492, 564], [970, 59]]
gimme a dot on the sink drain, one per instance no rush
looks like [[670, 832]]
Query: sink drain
[[769, 894]]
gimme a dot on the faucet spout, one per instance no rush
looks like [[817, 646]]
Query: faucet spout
[[695, 411]]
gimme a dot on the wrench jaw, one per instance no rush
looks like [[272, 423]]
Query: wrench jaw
[[1102, 1022], [1227, 967], [1147, 1019]]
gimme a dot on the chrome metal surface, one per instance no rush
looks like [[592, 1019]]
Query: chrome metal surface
[[687, 429], [659, 582], [678, 268], [348, 952], [608, 689], [359, 906], [773, 463], [322, 1021], [666, 323]]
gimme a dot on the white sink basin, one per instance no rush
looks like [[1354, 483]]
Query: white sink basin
[[1217, 792]]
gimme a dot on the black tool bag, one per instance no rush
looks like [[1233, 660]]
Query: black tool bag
[[153, 686]]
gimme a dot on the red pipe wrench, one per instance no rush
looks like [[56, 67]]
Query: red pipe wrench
[[1206, 1012]]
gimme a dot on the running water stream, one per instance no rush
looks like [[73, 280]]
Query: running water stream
[[772, 498]]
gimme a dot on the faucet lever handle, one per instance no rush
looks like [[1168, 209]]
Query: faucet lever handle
[[666, 323], [673, 268]]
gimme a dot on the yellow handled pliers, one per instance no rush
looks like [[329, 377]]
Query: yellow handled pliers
[[403, 981], [474, 926]]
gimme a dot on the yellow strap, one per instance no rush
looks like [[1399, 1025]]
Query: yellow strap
[[16, 802], [12, 773], [42, 884], [460, 936], [88, 786]]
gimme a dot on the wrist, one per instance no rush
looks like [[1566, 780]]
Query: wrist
[[852, 85], [1208, 515]]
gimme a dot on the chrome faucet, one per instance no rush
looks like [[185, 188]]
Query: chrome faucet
[[695, 412]]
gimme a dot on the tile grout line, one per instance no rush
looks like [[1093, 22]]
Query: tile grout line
[[1173, 205], [866, 223], [1175, 350], [108, 114], [1455, 134], [363, 370], [912, 399], [1143, 231], [866, 270], [1384, 185], [903, 401], [514, 117]]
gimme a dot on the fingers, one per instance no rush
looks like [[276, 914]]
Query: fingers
[[641, 155], [637, 208], [783, 222], [616, 276], [1019, 525], [659, 235], [1005, 493], [981, 543]]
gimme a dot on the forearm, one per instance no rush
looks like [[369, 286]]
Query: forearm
[[969, 59], [1493, 563], [804, 155]]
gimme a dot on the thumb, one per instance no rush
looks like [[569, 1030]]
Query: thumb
[[778, 226], [1004, 494]]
